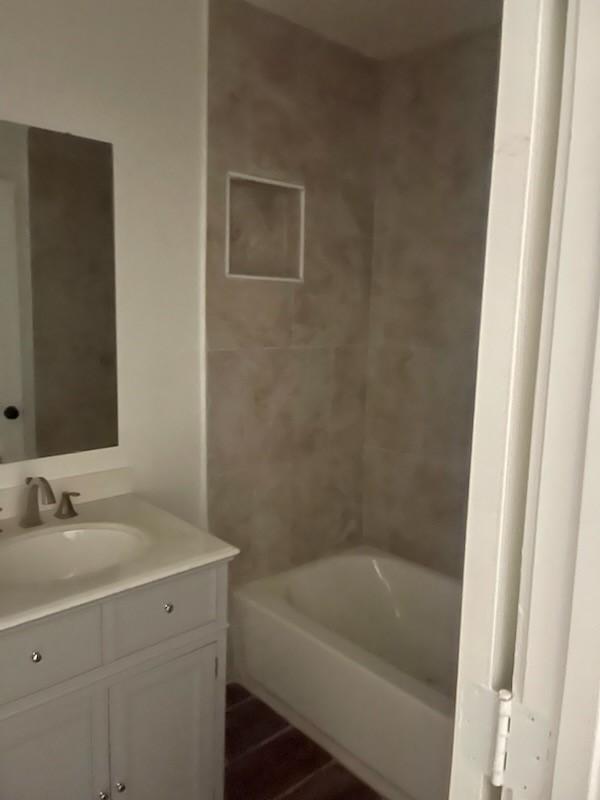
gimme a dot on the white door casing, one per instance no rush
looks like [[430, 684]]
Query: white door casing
[[558, 647], [523, 174]]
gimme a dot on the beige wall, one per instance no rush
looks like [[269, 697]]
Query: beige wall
[[434, 160], [130, 72], [395, 158], [285, 360]]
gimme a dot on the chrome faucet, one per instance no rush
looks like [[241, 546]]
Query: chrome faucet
[[31, 517]]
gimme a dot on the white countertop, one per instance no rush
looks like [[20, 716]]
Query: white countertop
[[174, 546]]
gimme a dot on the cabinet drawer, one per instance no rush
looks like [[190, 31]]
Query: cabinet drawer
[[44, 653], [146, 616]]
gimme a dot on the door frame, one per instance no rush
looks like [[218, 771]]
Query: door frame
[[557, 667], [517, 288]]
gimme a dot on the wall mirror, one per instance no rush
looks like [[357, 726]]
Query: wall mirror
[[58, 363]]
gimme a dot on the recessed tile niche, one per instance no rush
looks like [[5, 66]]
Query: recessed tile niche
[[265, 229]]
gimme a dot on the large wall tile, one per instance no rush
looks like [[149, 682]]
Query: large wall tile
[[416, 507], [232, 439], [348, 399], [252, 509], [400, 385], [248, 313], [335, 316], [286, 391], [231, 508], [326, 509], [427, 291], [310, 401], [420, 400], [271, 548], [340, 408], [433, 172]]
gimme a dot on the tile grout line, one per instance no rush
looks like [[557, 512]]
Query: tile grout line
[[239, 703], [258, 745], [302, 781], [287, 792]]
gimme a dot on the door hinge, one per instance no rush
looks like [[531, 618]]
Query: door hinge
[[504, 740], [216, 667], [500, 757]]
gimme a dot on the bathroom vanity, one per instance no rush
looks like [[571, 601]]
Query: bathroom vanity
[[112, 614], [112, 657]]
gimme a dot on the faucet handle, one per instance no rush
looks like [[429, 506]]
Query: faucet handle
[[65, 509]]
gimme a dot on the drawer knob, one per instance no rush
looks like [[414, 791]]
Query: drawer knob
[[36, 656], [120, 787], [103, 796], [168, 607]]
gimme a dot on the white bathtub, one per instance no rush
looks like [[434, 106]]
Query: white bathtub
[[359, 651]]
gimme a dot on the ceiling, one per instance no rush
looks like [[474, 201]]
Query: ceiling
[[383, 29]]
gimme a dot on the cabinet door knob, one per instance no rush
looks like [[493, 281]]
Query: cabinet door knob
[[36, 656], [168, 607], [103, 796], [120, 787]]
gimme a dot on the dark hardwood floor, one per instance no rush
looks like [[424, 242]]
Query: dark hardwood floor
[[267, 759]]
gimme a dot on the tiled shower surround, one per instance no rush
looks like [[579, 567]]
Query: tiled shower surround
[[339, 408]]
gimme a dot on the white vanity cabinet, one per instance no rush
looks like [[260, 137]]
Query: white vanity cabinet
[[57, 750], [162, 729], [130, 705]]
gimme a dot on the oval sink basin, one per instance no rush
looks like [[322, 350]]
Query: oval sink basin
[[68, 553]]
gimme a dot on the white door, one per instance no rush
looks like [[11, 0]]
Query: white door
[[162, 723], [12, 447], [530, 536], [577, 764], [557, 667], [57, 751], [523, 174]]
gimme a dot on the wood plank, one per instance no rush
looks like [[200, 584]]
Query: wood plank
[[249, 724], [332, 783], [268, 771], [236, 694]]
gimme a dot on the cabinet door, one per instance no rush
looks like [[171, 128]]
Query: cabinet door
[[56, 751], [162, 724]]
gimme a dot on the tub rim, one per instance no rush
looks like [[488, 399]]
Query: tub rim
[[268, 596]]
